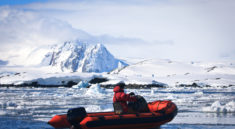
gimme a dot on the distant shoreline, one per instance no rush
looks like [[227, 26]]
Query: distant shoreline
[[108, 86], [111, 86]]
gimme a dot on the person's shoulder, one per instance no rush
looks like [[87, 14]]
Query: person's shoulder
[[122, 93]]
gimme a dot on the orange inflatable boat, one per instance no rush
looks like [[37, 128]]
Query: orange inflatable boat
[[160, 113]]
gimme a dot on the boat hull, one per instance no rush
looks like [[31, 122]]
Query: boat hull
[[160, 113]]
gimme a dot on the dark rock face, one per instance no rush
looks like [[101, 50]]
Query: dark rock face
[[195, 85], [98, 80], [211, 68], [135, 86]]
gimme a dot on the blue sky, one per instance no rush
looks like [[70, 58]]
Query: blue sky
[[168, 29], [19, 2]]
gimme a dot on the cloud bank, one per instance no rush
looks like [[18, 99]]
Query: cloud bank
[[23, 31], [181, 29]]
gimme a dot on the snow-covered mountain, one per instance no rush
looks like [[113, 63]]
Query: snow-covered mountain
[[75, 56]]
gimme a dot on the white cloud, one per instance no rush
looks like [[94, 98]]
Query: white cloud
[[179, 29], [22, 31]]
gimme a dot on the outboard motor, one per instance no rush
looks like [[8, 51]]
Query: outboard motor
[[75, 116]]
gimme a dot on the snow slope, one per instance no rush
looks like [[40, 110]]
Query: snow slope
[[139, 71], [175, 73]]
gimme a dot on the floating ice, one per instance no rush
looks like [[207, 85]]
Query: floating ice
[[99, 108], [40, 104], [3, 112], [81, 84], [7, 105], [95, 90], [219, 108], [230, 106], [152, 91], [199, 93]]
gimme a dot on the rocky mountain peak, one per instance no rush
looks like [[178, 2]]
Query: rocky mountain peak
[[75, 56]]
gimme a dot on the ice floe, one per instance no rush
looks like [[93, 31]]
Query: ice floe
[[96, 90], [218, 107], [81, 84]]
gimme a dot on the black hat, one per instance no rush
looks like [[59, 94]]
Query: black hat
[[121, 84]]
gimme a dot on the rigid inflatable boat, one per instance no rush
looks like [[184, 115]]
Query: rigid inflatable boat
[[160, 113]]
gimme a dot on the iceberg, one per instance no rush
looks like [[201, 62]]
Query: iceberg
[[81, 84], [95, 90], [220, 108]]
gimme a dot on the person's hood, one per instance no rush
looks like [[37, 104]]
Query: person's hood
[[117, 89]]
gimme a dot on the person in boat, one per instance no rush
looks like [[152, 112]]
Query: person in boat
[[120, 99]]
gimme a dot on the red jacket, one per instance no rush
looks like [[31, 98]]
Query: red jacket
[[120, 96]]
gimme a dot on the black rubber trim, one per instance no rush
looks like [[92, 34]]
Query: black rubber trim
[[101, 118], [125, 121], [137, 114]]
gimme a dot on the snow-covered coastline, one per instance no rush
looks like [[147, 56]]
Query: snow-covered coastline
[[139, 72], [71, 62]]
